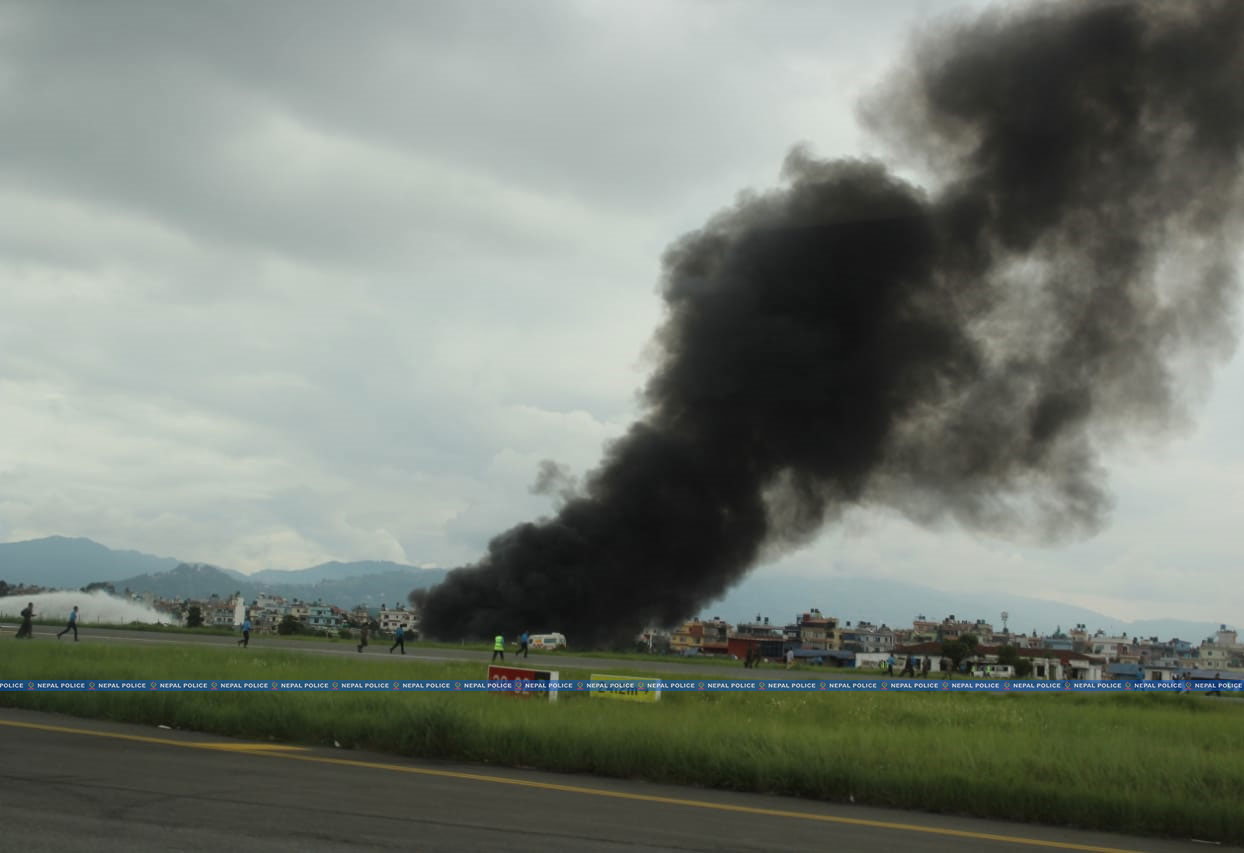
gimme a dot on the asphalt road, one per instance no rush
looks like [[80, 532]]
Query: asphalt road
[[69, 784], [660, 665]]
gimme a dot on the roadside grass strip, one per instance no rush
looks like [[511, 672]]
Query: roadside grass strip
[[1140, 763]]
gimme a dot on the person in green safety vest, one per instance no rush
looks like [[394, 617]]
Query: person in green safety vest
[[498, 647]]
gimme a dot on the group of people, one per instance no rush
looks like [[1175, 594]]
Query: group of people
[[910, 668], [25, 631]]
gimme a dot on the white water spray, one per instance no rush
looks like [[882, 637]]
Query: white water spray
[[93, 607]]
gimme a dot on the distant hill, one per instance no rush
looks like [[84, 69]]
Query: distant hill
[[58, 561], [73, 563], [188, 580], [201, 581], [332, 571], [391, 587]]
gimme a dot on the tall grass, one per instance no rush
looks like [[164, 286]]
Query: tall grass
[[1147, 764]]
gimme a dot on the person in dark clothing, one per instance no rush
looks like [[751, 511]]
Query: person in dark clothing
[[399, 640], [25, 629], [909, 668], [363, 639], [72, 626], [524, 641], [246, 633]]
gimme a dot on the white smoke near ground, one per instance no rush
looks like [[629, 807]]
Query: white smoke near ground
[[93, 608]]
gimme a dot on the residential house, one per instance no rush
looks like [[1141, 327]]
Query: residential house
[[716, 639], [1121, 649], [817, 631], [759, 636], [866, 637], [1050, 664], [320, 617], [688, 637], [390, 618]]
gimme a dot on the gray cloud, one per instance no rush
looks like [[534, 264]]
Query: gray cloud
[[284, 282]]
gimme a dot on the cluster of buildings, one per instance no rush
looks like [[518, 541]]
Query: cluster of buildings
[[267, 612], [815, 638]]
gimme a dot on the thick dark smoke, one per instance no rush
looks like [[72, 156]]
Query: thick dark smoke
[[959, 355]]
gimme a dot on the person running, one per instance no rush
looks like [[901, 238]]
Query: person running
[[399, 640], [25, 629], [362, 639], [523, 642], [498, 647], [246, 633], [72, 626], [790, 658]]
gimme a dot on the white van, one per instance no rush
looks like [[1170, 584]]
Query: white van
[[548, 642]]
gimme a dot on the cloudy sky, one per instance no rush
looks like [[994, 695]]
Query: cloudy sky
[[289, 282]]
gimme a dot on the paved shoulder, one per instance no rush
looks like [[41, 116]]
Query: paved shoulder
[[65, 781]]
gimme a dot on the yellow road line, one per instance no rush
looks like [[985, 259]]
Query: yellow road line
[[299, 754], [248, 747], [163, 741]]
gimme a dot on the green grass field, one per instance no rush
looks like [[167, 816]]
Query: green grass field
[[1142, 764]]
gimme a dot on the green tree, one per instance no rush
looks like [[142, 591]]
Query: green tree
[[1009, 656], [194, 617], [959, 650], [290, 625]]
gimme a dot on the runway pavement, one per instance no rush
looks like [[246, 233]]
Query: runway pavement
[[68, 784]]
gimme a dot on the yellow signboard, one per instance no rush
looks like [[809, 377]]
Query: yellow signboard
[[626, 687]]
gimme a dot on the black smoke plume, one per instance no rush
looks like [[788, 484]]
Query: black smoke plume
[[959, 354]]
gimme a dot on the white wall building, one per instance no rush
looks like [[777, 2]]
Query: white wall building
[[390, 619]]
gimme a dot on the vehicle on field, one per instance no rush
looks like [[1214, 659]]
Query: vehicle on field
[[548, 642]]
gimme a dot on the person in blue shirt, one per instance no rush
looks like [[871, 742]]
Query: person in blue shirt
[[246, 633], [72, 626], [399, 639], [524, 642]]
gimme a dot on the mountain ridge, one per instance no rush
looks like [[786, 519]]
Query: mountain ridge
[[64, 562], [59, 561]]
